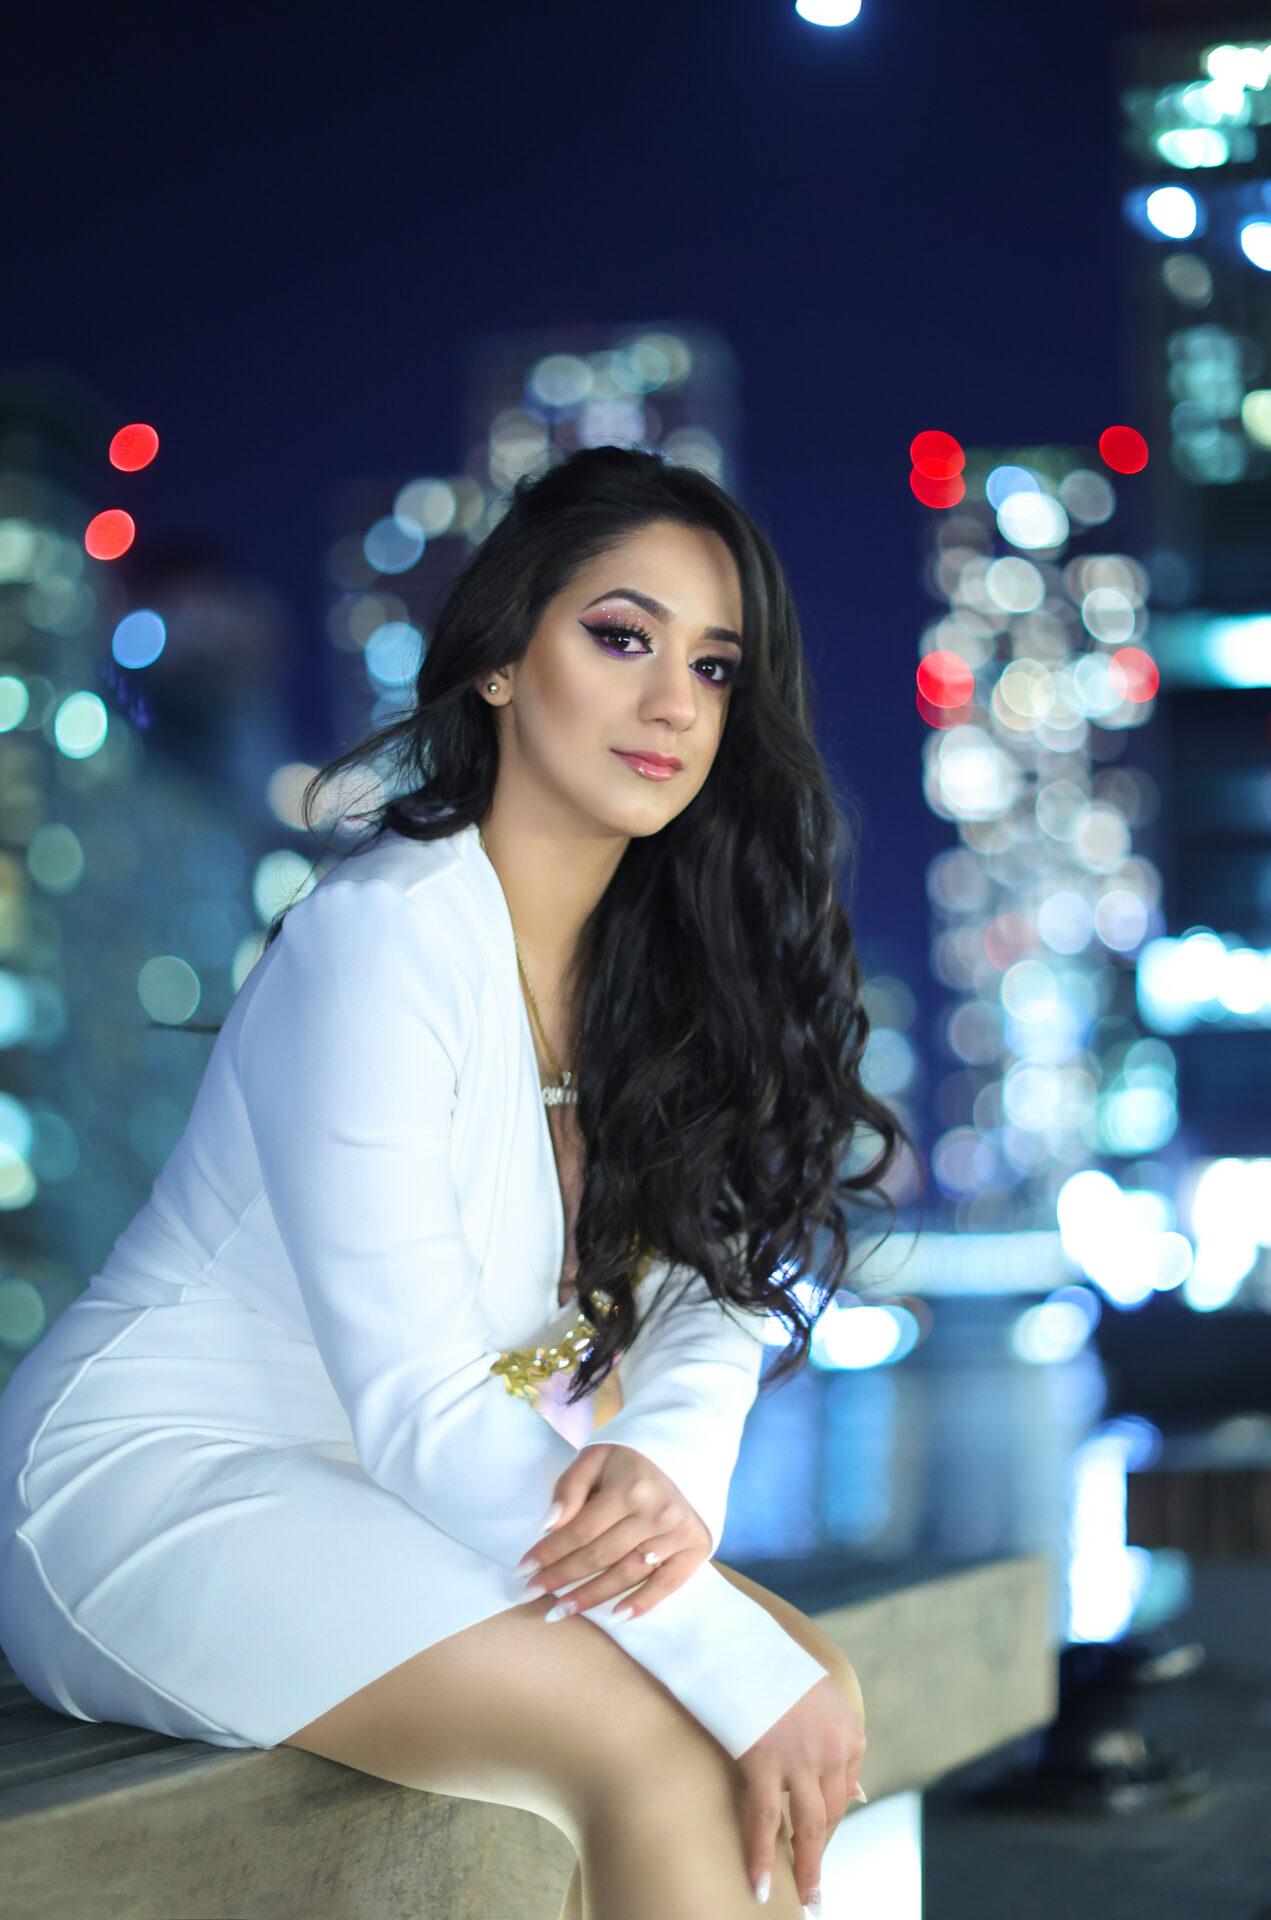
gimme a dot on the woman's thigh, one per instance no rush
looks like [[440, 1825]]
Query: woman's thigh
[[555, 1719]]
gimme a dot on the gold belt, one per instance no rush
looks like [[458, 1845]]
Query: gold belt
[[523, 1369]]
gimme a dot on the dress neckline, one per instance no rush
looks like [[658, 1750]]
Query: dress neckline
[[547, 1146]]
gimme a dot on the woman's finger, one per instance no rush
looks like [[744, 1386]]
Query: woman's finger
[[632, 1578], [836, 1789], [763, 1823], [606, 1517], [675, 1569], [624, 1542], [808, 1822]]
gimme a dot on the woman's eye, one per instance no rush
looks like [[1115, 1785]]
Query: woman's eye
[[605, 635]]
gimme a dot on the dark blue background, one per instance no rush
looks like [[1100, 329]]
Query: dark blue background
[[270, 231]]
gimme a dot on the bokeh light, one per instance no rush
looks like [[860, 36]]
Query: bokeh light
[[937, 493], [1124, 449], [138, 639], [1188, 278], [1255, 415], [80, 725], [936, 454], [109, 534], [1194, 147], [828, 13], [945, 680], [1032, 520], [1173, 212], [393, 544], [133, 447], [1134, 674], [168, 989], [1255, 243]]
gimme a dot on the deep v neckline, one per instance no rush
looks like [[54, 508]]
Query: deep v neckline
[[547, 1145]]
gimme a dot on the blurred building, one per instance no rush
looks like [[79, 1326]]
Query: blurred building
[[138, 730], [1035, 681], [1197, 228]]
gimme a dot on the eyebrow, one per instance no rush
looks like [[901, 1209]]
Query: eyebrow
[[659, 612]]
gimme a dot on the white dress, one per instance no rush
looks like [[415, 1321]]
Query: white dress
[[263, 1459]]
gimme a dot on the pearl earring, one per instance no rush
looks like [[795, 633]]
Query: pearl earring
[[493, 686]]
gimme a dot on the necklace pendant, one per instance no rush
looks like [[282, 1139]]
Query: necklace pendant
[[562, 1096]]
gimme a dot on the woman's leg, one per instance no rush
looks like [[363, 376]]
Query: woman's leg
[[815, 1639], [559, 1720], [817, 1642]]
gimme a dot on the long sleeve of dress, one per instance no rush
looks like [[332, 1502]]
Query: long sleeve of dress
[[349, 1056], [688, 1381]]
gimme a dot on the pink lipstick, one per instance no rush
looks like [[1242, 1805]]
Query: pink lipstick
[[654, 766]]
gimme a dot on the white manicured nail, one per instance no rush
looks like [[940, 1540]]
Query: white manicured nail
[[763, 1887], [812, 1904], [562, 1610], [620, 1613], [859, 1793]]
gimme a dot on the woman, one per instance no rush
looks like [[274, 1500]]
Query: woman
[[277, 1477]]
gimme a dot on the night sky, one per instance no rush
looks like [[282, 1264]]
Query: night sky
[[269, 231]]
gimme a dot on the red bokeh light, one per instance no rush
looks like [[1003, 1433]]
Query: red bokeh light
[[109, 534], [1123, 449], [943, 717], [945, 680], [1133, 674], [937, 455], [133, 447], [937, 493]]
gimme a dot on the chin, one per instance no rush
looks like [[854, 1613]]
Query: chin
[[637, 819]]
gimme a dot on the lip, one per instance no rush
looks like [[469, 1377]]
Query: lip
[[654, 766]]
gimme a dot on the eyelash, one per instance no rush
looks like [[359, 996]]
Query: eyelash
[[634, 632]]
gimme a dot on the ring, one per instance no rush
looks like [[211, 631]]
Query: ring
[[651, 1559]]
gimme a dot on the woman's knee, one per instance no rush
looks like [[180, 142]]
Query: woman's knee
[[811, 1638], [843, 1674]]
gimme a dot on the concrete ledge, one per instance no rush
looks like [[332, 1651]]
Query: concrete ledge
[[193, 1832], [125, 1824], [950, 1669]]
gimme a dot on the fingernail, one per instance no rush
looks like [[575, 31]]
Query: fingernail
[[859, 1793], [562, 1610], [554, 1513], [620, 1613], [763, 1887], [813, 1903], [534, 1589]]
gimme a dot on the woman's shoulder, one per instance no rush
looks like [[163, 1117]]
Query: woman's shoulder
[[409, 866], [424, 888]]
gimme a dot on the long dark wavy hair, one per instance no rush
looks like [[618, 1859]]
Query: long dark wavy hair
[[721, 1024]]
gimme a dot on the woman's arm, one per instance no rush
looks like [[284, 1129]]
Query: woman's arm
[[348, 1057], [688, 1380]]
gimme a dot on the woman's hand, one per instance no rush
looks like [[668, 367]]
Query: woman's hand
[[615, 1506], [814, 1754]]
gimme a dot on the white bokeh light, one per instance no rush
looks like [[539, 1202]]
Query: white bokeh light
[[1172, 211], [828, 13]]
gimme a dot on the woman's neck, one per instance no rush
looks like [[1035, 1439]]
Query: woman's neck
[[551, 888]]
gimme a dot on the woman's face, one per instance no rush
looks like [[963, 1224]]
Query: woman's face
[[607, 673]]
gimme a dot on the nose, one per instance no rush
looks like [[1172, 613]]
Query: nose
[[668, 693]]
